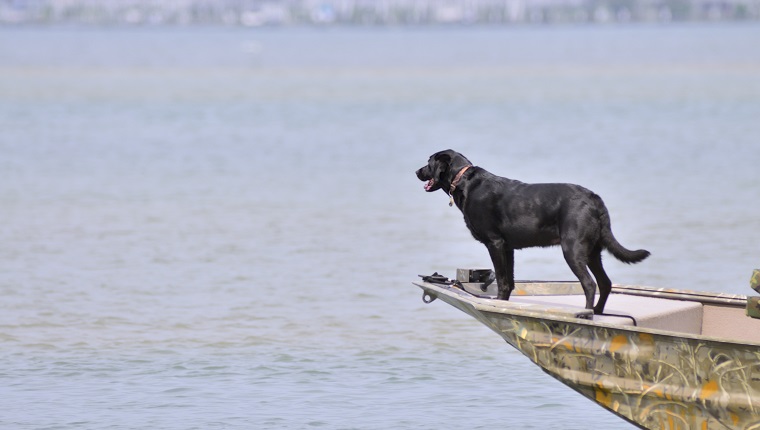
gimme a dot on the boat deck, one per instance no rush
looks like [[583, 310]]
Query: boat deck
[[648, 312]]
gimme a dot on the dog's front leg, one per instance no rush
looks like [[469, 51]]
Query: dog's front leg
[[503, 259]]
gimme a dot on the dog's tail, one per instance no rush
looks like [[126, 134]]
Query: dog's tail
[[615, 248]]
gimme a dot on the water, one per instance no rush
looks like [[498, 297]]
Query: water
[[206, 228]]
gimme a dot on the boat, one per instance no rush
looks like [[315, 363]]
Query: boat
[[658, 358]]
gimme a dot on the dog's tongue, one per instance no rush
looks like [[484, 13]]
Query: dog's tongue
[[429, 185]]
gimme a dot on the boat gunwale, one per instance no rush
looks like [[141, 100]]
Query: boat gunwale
[[737, 300]]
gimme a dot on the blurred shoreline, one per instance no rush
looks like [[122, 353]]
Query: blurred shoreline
[[247, 13]]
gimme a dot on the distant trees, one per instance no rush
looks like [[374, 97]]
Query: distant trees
[[253, 13]]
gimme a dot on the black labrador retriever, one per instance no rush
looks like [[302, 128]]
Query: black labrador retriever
[[505, 215]]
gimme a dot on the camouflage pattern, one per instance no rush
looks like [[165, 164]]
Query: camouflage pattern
[[753, 307], [753, 303], [754, 281], [652, 378]]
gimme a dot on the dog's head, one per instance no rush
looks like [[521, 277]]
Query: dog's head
[[441, 169]]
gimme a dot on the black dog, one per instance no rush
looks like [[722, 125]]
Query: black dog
[[505, 215]]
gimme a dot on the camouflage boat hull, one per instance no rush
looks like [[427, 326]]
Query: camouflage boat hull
[[654, 379]]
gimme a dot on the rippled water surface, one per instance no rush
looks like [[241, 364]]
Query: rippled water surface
[[205, 228]]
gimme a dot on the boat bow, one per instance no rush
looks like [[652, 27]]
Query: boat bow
[[649, 377]]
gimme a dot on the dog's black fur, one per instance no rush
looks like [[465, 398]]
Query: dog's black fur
[[505, 215]]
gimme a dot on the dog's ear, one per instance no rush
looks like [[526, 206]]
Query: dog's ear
[[443, 158]]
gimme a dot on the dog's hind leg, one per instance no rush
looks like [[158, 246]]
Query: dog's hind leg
[[576, 258], [503, 260], [605, 285]]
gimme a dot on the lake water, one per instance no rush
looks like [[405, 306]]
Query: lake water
[[213, 228]]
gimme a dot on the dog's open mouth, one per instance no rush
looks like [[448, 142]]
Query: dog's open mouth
[[429, 184]]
